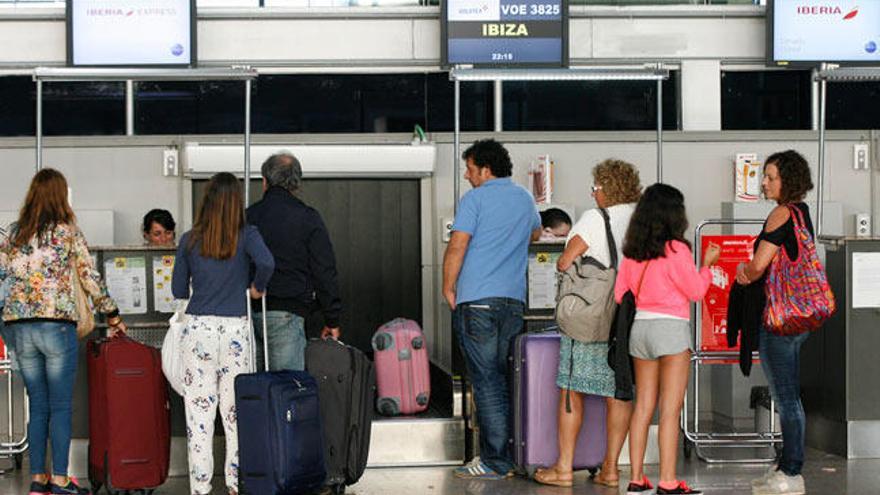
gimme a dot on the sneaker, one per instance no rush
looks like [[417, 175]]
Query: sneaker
[[70, 489], [681, 489], [766, 476], [643, 488], [38, 488], [780, 483], [478, 470]]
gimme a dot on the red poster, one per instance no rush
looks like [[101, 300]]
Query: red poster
[[735, 249]]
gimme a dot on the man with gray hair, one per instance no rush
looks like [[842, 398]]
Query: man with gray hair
[[305, 266]]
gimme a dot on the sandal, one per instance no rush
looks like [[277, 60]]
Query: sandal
[[600, 480], [551, 476]]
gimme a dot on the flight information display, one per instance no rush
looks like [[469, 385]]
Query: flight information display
[[842, 31], [131, 33], [505, 33]]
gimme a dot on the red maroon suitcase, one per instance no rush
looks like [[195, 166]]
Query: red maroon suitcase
[[403, 375], [129, 418]]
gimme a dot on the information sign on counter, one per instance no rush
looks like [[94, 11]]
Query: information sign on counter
[[163, 267], [127, 283], [735, 249], [543, 281], [505, 33], [866, 280]]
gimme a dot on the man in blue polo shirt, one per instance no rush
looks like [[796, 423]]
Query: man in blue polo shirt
[[484, 282]]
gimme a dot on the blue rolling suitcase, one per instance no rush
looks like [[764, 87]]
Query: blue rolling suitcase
[[280, 441]]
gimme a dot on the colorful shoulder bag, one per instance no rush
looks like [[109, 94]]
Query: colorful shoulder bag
[[799, 298]]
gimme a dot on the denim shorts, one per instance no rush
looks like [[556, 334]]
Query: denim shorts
[[651, 339]]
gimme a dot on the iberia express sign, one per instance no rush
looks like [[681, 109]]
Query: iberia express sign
[[505, 33]]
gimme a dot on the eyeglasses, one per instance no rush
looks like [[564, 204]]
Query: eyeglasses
[[596, 189]]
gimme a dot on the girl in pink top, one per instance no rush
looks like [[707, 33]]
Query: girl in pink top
[[658, 268]]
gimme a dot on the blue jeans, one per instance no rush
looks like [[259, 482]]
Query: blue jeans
[[486, 329], [47, 356], [780, 358], [287, 340]]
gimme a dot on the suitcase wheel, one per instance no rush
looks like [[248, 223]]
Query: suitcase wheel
[[418, 343], [382, 341], [388, 406], [422, 399]]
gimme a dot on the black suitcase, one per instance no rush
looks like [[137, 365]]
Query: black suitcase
[[346, 390]]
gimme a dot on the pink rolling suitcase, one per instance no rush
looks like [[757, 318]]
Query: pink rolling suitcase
[[535, 400], [402, 368]]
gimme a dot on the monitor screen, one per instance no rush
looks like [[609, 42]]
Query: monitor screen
[[131, 32], [835, 31], [505, 33]]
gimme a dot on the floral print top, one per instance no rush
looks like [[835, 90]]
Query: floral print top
[[41, 283]]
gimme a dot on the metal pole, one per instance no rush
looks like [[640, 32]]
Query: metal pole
[[659, 130], [499, 106], [814, 100], [129, 108], [456, 144], [823, 86], [247, 142], [39, 130]]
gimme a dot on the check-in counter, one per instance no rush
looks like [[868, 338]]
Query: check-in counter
[[839, 365], [139, 280]]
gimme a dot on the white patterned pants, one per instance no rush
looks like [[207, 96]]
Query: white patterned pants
[[215, 350]]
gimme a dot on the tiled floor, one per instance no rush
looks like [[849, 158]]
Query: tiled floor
[[825, 475]]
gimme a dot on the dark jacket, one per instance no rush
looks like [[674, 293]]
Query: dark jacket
[[745, 311], [305, 266], [618, 348]]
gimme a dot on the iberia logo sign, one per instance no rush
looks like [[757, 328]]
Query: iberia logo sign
[[825, 10]]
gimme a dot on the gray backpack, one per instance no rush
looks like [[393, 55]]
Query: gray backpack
[[585, 299]]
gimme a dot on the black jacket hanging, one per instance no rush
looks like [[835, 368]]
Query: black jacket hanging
[[745, 310]]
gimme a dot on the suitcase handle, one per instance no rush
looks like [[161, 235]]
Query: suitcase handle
[[250, 317]]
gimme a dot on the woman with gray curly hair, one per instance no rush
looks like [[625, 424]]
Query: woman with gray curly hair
[[583, 367]]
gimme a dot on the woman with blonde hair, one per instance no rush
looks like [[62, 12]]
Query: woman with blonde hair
[[214, 259], [583, 367], [43, 258]]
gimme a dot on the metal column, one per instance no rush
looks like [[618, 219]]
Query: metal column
[[129, 108], [820, 182], [456, 164], [659, 130], [499, 106], [247, 141], [39, 130]]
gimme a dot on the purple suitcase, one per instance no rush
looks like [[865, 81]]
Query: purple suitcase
[[535, 401]]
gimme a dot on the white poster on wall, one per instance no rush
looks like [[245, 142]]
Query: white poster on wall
[[130, 32], [163, 267], [127, 283], [866, 280], [542, 280]]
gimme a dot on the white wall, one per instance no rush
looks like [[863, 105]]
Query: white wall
[[700, 164], [124, 175], [104, 174], [410, 36]]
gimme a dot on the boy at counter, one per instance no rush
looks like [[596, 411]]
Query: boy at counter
[[556, 224]]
